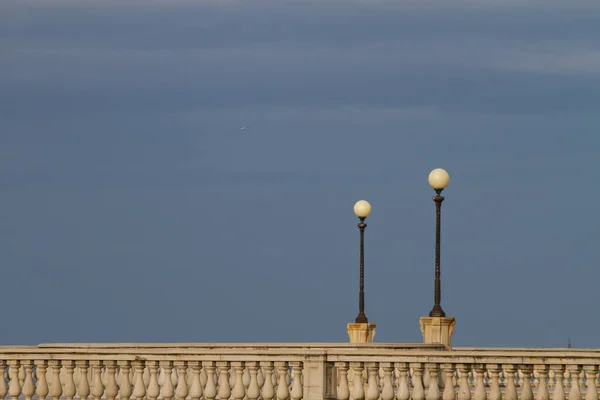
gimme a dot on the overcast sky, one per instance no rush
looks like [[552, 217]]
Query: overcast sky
[[134, 209]]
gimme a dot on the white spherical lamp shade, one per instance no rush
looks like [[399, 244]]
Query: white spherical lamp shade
[[362, 209], [438, 178]]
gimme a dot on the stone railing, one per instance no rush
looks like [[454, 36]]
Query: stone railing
[[296, 371]]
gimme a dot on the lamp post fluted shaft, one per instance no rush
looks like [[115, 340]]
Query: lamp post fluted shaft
[[437, 308], [362, 318]]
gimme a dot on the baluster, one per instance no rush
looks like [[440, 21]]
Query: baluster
[[449, 394], [387, 388], [28, 386], [510, 389], [464, 390], [3, 387], [14, 387], [111, 388], [196, 385], [139, 388], [417, 381], [153, 390], [479, 383], [246, 378], [55, 386], [542, 387], [358, 391], [21, 375], [574, 371], [210, 390], [125, 389], [297, 389], [433, 391], [426, 379], [181, 393], [174, 378], [69, 390], [253, 389], [83, 387], [41, 384], [494, 373], [559, 389], [166, 391], [372, 381], [224, 387], [97, 387], [268, 391], [239, 390], [525, 382], [591, 372], [343, 390], [402, 391], [283, 392]]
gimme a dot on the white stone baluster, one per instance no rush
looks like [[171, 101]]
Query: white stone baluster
[[343, 390], [494, 373], [464, 389], [139, 387], [174, 377], [283, 392], [418, 392], [83, 387], [21, 375], [69, 390], [210, 389], [426, 379], [224, 386], [3, 386], [575, 393], [41, 389], [559, 389], [166, 390], [253, 389], [510, 389], [153, 390], [55, 386], [525, 382], [448, 371], [125, 387], [433, 391], [480, 393], [97, 387], [260, 377], [14, 387], [297, 389], [196, 384], [591, 372], [28, 386], [387, 388], [182, 391], [268, 391], [110, 376], [358, 390], [372, 381], [239, 390], [402, 392], [246, 378], [542, 388]]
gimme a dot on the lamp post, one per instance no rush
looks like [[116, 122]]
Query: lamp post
[[362, 209], [438, 180]]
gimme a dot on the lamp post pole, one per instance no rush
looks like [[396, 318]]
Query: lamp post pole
[[438, 179], [362, 209]]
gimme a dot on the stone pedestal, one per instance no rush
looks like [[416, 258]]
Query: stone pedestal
[[437, 329], [361, 332]]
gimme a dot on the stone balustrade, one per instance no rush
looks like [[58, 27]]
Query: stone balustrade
[[296, 371]]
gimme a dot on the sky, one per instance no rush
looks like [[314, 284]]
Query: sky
[[134, 209]]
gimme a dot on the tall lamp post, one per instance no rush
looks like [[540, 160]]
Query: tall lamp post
[[362, 209], [438, 180]]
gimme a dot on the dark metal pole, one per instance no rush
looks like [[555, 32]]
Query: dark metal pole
[[437, 308], [362, 318]]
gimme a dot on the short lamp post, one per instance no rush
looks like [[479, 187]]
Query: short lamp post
[[361, 331], [438, 180], [437, 328], [362, 209]]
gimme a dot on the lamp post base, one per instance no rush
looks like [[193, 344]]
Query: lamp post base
[[437, 329], [361, 332]]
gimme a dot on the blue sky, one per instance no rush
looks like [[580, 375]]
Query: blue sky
[[134, 209]]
